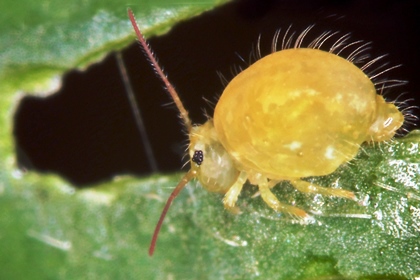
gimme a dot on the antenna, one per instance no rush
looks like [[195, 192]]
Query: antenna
[[153, 61], [187, 177], [184, 116]]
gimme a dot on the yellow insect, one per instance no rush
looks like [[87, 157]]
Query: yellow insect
[[294, 113]]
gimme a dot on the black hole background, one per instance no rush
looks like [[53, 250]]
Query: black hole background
[[86, 131]]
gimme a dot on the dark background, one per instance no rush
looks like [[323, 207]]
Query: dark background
[[87, 134]]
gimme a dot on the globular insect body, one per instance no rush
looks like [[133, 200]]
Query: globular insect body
[[294, 113]]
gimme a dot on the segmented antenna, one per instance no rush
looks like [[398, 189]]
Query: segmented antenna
[[187, 177], [184, 116], [153, 61]]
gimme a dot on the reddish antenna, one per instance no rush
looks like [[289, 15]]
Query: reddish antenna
[[187, 177], [153, 61], [183, 114]]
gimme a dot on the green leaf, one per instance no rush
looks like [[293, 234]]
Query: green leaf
[[105, 232], [46, 38], [48, 229]]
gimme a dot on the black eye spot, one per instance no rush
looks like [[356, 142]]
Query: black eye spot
[[198, 157]]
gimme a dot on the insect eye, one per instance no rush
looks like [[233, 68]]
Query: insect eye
[[198, 157]]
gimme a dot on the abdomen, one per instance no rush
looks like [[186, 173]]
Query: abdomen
[[296, 113]]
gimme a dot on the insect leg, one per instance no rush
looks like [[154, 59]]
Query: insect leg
[[232, 194], [307, 187], [273, 183], [274, 203]]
